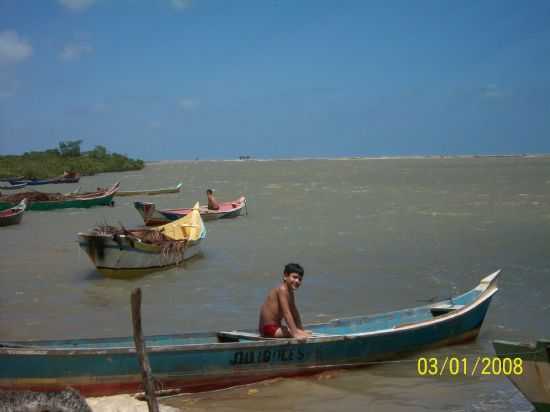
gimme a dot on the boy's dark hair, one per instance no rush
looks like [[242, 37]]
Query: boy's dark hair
[[294, 268], [209, 191]]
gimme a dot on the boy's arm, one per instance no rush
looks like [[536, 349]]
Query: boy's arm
[[288, 314], [297, 318]]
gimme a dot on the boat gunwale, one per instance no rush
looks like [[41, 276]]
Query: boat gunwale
[[16, 210], [26, 348], [162, 190], [241, 201]]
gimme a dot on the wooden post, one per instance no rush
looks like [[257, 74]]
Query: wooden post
[[142, 355]]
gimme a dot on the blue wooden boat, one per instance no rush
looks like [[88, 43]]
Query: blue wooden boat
[[534, 380], [194, 362], [31, 182]]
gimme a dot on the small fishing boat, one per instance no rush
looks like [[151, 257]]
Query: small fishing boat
[[49, 201], [31, 182], [150, 191], [13, 216], [13, 187], [194, 362], [532, 378], [152, 217], [66, 177], [124, 253]]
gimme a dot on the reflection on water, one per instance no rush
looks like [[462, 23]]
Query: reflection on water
[[373, 236]]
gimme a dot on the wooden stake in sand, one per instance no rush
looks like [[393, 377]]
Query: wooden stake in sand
[[142, 355]]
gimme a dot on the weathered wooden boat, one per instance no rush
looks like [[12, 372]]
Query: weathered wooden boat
[[175, 189], [152, 217], [13, 216], [126, 253], [67, 177], [31, 182], [534, 380], [194, 362], [49, 201], [13, 187]]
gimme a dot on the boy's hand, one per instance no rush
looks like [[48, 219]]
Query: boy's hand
[[302, 335]]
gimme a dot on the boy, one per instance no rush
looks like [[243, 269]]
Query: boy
[[212, 202], [280, 305]]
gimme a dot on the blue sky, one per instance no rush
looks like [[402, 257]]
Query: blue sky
[[181, 79]]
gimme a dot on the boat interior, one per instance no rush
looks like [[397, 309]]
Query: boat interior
[[336, 327]]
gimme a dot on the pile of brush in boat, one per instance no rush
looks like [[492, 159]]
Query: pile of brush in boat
[[168, 246], [32, 196]]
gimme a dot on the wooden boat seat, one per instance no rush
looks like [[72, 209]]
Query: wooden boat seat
[[444, 308], [237, 335]]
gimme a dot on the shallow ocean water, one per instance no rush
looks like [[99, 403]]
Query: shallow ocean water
[[374, 235]]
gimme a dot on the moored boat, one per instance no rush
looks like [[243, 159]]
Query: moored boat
[[31, 182], [67, 177], [194, 362], [533, 380], [153, 216], [13, 187], [125, 253], [13, 216], [175, 189], [49, 201]]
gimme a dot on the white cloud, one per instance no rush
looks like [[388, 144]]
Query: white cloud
[[13, 49], [75, 51], [76, 5], [181, 4], [187, 104]]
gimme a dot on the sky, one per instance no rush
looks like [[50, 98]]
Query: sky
[[215, 79]]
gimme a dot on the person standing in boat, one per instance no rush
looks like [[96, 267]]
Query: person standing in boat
[[280, 304], [212, 202]]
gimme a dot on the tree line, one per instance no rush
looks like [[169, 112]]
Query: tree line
[[66, 157]]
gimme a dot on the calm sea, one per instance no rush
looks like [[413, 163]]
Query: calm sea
[[374, 235]]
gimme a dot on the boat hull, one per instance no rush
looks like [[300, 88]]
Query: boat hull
[[203, 361], [154, 217], [14, 219], [534, 381], [85, 201], [13, 187], [122, 257], [14, 215], [149, 191]]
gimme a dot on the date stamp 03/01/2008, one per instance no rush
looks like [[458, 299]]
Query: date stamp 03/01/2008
[[464, 366]]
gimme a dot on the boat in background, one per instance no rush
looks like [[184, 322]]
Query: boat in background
[[31, 182], [150, 191], [153, 217], [125, 253], [66, 177], [534, 380], [13, 216], [13, 187], [50, 201], [194, 362]]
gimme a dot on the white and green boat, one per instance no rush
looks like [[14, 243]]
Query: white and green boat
[[534, 380]]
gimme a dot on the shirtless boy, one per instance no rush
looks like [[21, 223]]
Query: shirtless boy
[[212, 202], [280, 305]]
